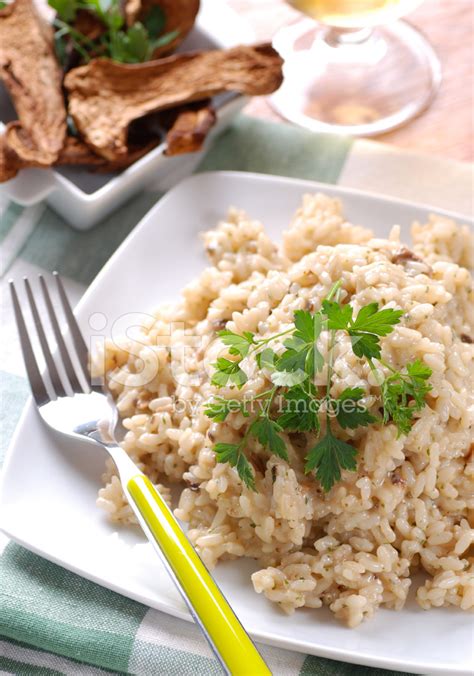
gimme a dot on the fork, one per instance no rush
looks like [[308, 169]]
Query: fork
[[72, 405]]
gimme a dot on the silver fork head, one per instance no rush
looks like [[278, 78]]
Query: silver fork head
[[68, 402]]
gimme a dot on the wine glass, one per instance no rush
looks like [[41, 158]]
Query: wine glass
[[356, 70]]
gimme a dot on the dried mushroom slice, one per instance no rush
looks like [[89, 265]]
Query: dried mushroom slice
[[189, 131], [179, 16], [76, 152], [33, 77], [9, 165], [105, 97], [88, 24]]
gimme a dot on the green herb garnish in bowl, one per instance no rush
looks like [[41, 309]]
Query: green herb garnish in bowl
[[93, 28]]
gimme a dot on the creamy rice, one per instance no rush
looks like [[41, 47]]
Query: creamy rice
[[409, 506]]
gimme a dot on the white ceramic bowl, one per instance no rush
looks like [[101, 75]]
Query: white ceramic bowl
[[83, 197]]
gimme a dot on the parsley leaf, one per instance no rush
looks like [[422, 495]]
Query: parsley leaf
[[266, 359], [328, 457], [365, 330], [418, 370], [267, 432], [234, 455], [219, 408], [163, 40], [418, 374], [245, 471], [339, 316], [308, 326], [65, 9], [365, 345], [349, 413], [368, 326], [227, 452], [288, 378], [301, 356], [228, 371], [301, 412], [395, 404], [155, 21], [404, 394], [372, 320], [292, 361], [238, 344], [130, 46]]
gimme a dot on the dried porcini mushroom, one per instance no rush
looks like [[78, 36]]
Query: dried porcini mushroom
[[120, 111], [404, 254], [189, 130], [29, 69], [105, 97], [88, 24], [9, 164], [74, 152], [77, 153], [180, 16]]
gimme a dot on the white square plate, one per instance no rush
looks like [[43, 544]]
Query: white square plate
[[48, 495]]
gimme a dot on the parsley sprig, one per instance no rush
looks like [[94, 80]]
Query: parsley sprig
[[330, 455], [291, 367], [134, 44], [404, 394]]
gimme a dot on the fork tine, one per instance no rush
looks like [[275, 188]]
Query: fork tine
[[37, 385], [53, 372], [77, 337], [68, 366]]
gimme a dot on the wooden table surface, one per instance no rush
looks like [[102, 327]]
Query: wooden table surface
[[446, 128]]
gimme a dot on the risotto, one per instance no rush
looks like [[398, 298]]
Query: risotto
[[408, 507]]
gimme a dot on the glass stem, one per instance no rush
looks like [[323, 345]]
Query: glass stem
[[344, 37]]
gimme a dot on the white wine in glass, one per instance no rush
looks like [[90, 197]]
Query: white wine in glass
[[355, 13], [356, 69]]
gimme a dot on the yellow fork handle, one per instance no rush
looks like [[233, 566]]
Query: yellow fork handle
[[222, 628]]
